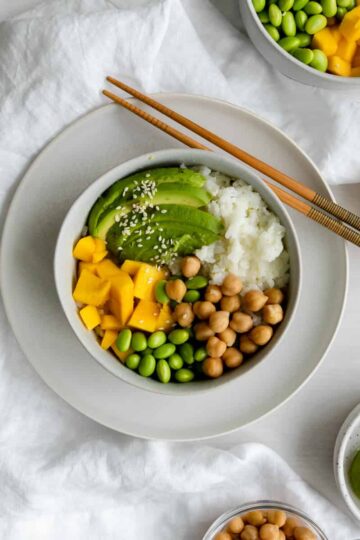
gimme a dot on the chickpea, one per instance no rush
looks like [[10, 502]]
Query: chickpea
[[272, 313], [175, 289], [203, 310], [184, 314], [255, 517], [215, 347], [219, 321], [223, 536], [249, 533], [275, 296], [247, 346], [203, 331], [228, 336], [232, 358], [230, 303], [277, 517], [231, 285], [254, 300], [303, 533], [213, 367], [289, 526], [241, 322], [269, 531], [213, 293], [190, 266], [236, 525], [261, 334]]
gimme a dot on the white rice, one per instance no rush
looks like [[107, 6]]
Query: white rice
[[253, 243]]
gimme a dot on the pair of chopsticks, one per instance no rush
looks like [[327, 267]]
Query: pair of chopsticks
[[335, 215]]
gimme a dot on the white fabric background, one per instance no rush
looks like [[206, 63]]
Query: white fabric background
[[61, 475]]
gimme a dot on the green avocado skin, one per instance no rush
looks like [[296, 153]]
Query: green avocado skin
[[354, 475]]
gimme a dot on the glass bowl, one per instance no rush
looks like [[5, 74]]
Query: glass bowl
[[304, 520]]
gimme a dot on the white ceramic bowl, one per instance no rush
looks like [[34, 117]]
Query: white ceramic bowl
[[285, 62], [346, 446], [65, 265]]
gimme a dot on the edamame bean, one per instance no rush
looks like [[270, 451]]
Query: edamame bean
[[289, 43], [344, 3], [264, 16], [133, 361], [315, 24], [164, 351], [191, 296], [186, 352], [340, 13], [313, 8], [163, 371], [272, 31], [138, 341], [175, 361], [160, 292], [299, 4], [178, 336], [184, 375], [197, 282], [147, 351], [329, 7], [275, 15], [124, 340], [200, 354], [320, 61], [288, 24], [147, 365], [300, 19], [157, 339], [285, 5], [304, 39], [259, 5], [304, 55]]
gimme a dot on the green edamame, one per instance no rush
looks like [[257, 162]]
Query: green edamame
[[340, 13], [272, 31], [329, 7], [264, 16], [138, 341], [123, 340], [184, 375], [288, 24], [300, 19], [259, 5], [319, 61], [313, 8], [304, 55], [178, 336], [299, 4], [275, 15], [315, 23], [163, 371], [157, 339], [197, 282], [304, 39], [200, 354], [147, 365], [186, 352], [344, 3], [164, 351], [147, 351], [133, 361], [160, 292], [285, 5], [289, 43], [191, 296], [175, 361]]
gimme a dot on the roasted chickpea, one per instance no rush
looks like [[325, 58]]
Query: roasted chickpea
[[175, 289], [269, 531], [275, 296], [241, 322], [277, 517], [255, 517], [232, 358], [254, 300], [203, 331], [223, 536], [230, 303], [213, 293], [215, 347], [289, 526], [236, 525], [249, 533], [231, 285], [184, 314], [213, 367], [219, 321], [261, 334], [246, 345], [203, 310], [272, 313], [303, 533], [190, 266], [228, 336]]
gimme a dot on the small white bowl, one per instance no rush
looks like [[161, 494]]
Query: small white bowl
[[285, 62], [346, 446], [65, 265]]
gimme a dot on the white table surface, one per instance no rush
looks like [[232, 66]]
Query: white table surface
[[303, 431]]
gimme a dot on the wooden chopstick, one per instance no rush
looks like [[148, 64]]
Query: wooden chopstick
[[287, 181], [302, 207]]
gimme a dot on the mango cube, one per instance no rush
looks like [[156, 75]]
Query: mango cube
[[131, 267], [89, 266], [355, 72], [109, 322], [99, 256], [338, 66], [145, 316], [350, 25], [121, 302], [356, 59], [165, 320], [84, 249], [100, 245], [91, 289], [109, 339], [90, 317], [336, 34], [346, 50], [145, 281], [325, 41], [106, 269]]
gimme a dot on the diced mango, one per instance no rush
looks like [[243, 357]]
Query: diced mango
[[145, 280], [99, 331], [165, 320], [356, 59], [106, 269], [350, 25], [121, 302], [338, 66], [89, 266], [90, 317], [84, 249], [355, 72], [325, 41], [121, 355], [99, 256], [131, 267], [109, 339], [91, 289], [335, 32], [145, 316], [346, 50], [100, 245], [109, 322]]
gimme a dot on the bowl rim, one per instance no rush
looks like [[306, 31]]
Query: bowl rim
[[346, 81], [167, 158]]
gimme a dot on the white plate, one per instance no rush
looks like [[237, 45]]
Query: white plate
[[346, 446], [74, 159]]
